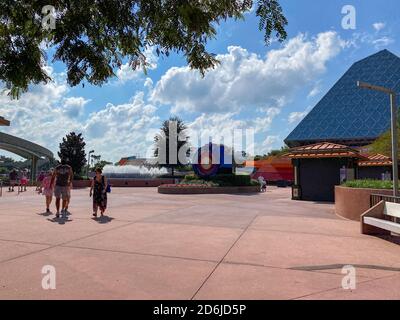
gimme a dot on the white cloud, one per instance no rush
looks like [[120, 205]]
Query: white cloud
[[214, 126], [263, 124], [148, 83], [229, 129], [296, 116], [119, 130], [39, 114], [127, 73], [315, 91], [44, 116], [268, 144], [382, 42], [378, 26], [378, 41], [246, 80], [74, 106]]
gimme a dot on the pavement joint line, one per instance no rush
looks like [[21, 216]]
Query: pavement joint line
[[325, 271], [191, 224], [339, 266], [219, 263], [249, 264], [64, 243], [141, 254], [332, 289], [26, 242], [309, 233], [337, 274], [327, 290], [60, 244]]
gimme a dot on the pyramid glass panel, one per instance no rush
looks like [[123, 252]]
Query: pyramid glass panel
[[348, 114]]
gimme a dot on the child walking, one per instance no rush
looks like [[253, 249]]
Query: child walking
[[48, 189]]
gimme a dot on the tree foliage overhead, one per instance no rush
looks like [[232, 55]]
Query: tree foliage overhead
[[72, 152], [94, 37]]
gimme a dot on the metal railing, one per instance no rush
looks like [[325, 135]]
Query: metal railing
[[376, 198]]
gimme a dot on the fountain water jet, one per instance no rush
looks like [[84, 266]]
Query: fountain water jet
[[132, 172]]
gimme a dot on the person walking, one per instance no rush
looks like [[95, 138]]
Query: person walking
[[39, 184], [48, 189], [62, 176], [13, 176], [23, 180], [98, 190]]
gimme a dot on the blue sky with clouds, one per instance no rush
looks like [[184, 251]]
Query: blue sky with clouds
[[268, 89]]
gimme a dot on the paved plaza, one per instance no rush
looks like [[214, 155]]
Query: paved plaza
[[154, 246]]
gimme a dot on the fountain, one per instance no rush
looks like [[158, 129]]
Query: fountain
[[135, 176], [132, 172]]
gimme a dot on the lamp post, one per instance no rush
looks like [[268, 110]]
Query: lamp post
[[88, 163], [393, 109]]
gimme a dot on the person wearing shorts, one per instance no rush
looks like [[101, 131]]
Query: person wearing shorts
[[23, 180], [63, 176]]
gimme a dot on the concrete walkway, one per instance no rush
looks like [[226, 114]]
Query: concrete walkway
[[157, 246]]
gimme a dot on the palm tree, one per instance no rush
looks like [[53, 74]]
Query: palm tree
[[162, 143]]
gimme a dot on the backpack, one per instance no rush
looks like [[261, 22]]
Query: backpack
[[108, 187]]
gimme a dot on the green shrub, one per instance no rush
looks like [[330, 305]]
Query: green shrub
[[222, 180], [191, 177], [199, 182], [227, 180], [369, 183]]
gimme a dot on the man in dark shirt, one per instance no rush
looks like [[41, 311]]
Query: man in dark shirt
[[63, 176]]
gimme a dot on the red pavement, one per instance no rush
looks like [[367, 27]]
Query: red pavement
[[155, 246]]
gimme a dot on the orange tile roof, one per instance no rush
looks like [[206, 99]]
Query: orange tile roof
[[375, 160], [324, 150], [4, 122]]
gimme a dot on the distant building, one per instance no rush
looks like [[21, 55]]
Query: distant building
[[273, 169], [349, 115], [328, 145], [4, 122], [133, 161]]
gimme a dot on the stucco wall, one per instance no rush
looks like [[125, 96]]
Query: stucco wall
[[209, 190], [350, 203], [125, 183]]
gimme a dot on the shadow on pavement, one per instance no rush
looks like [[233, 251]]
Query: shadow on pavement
[[45, 214], [103, 219], [60, 220]]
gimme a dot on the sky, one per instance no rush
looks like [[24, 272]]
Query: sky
[[267, 89]]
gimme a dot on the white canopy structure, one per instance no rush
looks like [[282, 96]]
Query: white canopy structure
[[23, 148]]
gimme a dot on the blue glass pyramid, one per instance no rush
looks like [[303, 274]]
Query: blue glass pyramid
[[348, 114]]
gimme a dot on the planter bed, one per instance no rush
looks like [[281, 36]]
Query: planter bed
[[78, 184], [201, 189], [351, 203]]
